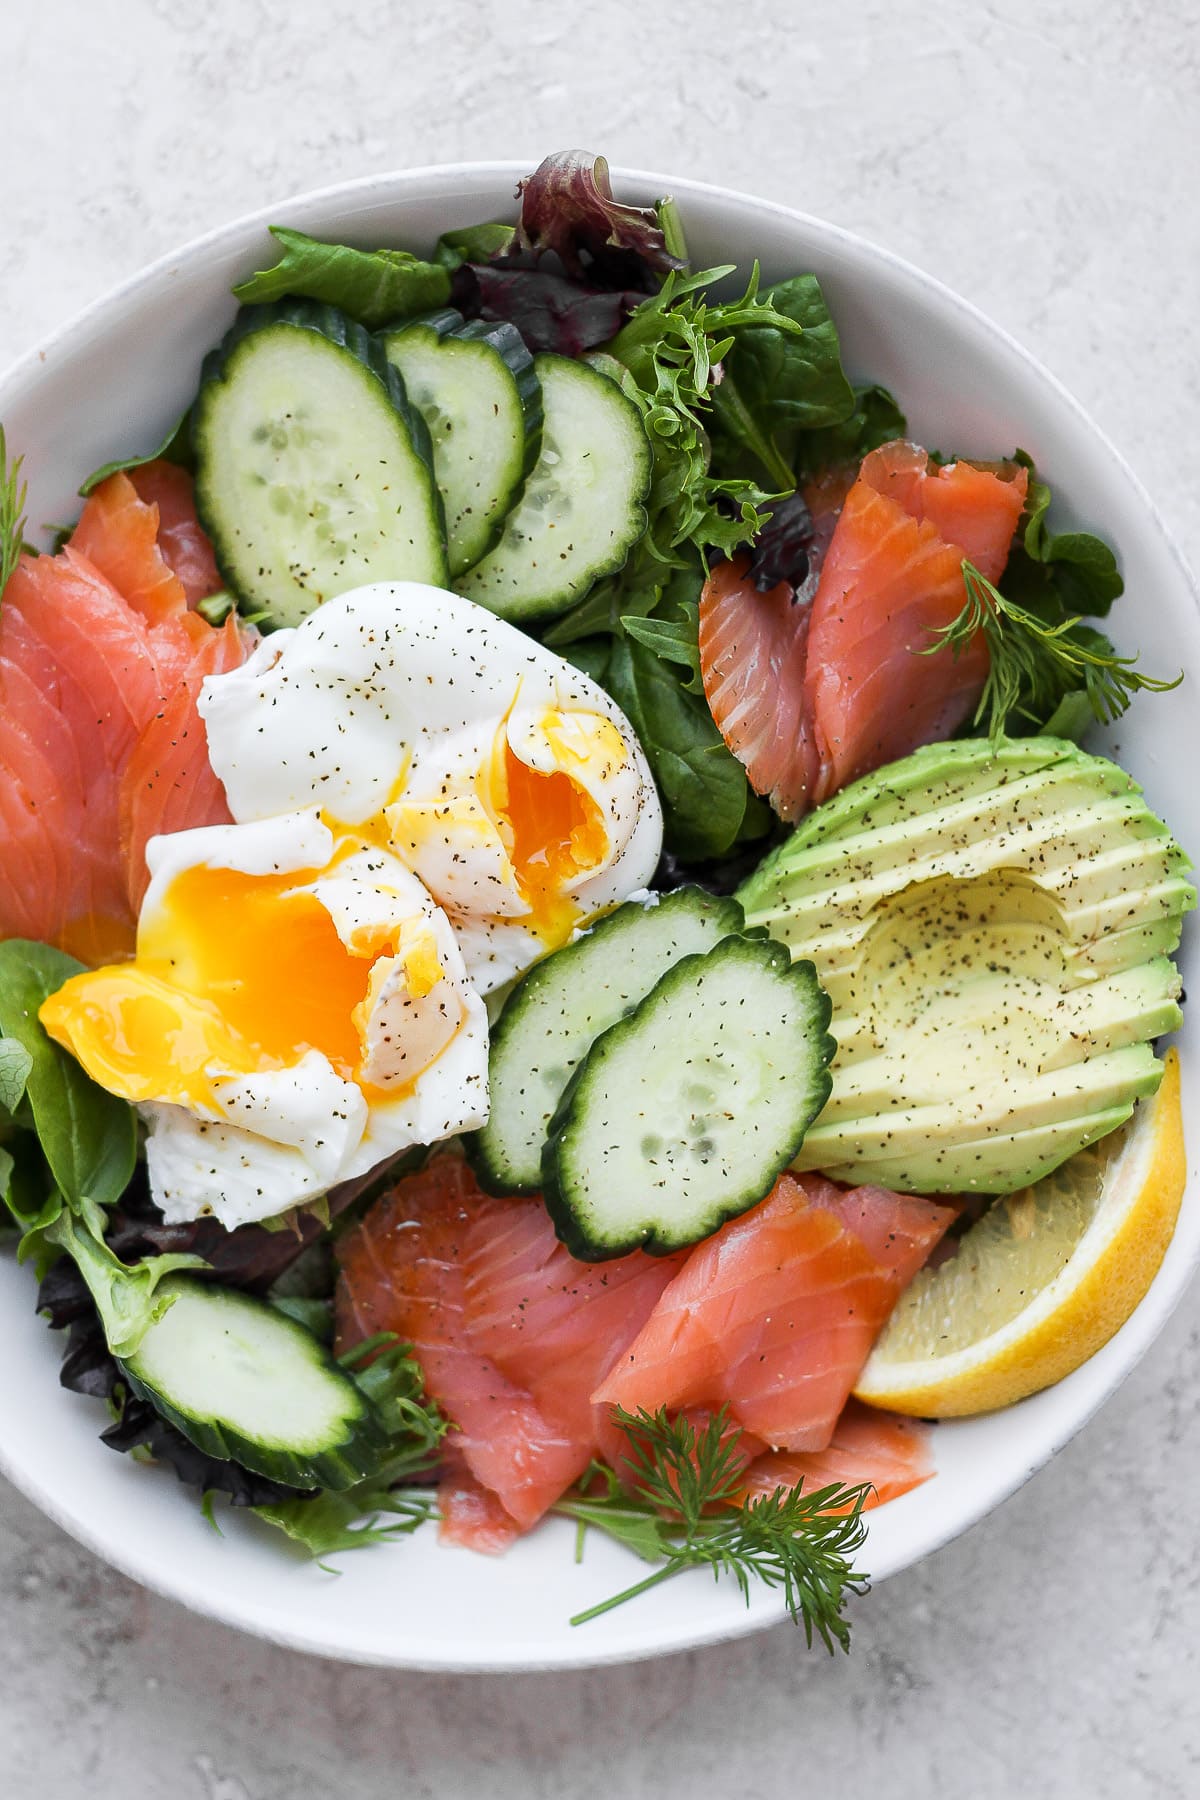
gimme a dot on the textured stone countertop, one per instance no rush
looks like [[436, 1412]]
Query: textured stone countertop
[[1042, 160]]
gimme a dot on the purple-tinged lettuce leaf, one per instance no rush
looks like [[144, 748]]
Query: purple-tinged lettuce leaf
[[550, 311], [783, 549], [140, 1428], [88, 1367], [567, 207]]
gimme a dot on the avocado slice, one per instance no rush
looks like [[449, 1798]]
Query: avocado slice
[[994, 927]]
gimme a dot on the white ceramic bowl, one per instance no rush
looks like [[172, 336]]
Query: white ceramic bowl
[[112, 382]]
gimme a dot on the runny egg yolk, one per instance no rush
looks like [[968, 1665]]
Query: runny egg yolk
[[553, 832], [234, 973]]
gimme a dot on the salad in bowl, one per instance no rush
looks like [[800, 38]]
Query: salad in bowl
[[562, 953]]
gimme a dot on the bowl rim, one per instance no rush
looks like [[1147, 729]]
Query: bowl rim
[[21, 376]]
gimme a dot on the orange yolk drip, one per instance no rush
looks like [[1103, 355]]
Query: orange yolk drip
[[555, 833], [235, 972]]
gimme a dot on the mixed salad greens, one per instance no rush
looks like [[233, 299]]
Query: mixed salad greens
[[566, 425]]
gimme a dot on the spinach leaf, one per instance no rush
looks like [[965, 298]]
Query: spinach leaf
[[875, 420], [373, 286], [592, 655], [1069, 572], [15, 1066], [88, 1136], [778, 384], [176, 447], [703, 787]]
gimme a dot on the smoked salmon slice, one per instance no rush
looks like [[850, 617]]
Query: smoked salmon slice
[[168, 784], [893, 1454], [527, 1350], [470, 1515], [553, 1325], [813, 687], [118, 533], [182, 540], [100, 743], [775, 1314], [753, 648], [752, 657], [402, 1270], [891, 579]]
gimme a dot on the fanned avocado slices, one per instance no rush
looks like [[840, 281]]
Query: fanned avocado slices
[[994, 927]]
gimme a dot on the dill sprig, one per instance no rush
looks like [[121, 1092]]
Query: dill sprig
[[1034, 663], [12, 513], [681, 1509]]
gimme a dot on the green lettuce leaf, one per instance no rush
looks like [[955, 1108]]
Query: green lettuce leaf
[[373, 286], [126, 1296], [88, 1136], [176, 447], [473, 244]]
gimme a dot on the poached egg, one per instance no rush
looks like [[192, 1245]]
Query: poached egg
[[425, 802], [297, 1010], [506, 780]]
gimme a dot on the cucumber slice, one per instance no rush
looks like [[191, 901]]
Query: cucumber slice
[[313, 473], [558, 1010], [475, 388], [241, 1381], [581, 511], [682, 1115]]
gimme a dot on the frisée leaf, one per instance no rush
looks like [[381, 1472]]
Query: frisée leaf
[[381, 1507]]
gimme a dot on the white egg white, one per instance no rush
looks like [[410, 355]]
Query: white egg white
[[386, 703]]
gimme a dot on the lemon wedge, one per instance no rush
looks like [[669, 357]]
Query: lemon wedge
[[1043, 1279]]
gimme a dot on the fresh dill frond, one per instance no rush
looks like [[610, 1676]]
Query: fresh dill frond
[[681, 1509], [1034, 663], [12, 513]]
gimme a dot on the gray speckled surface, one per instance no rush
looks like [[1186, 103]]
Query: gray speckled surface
[[1042, 160]]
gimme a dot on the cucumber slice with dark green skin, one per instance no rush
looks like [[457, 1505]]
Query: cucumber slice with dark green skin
[[314, 475], [582, 509], [683, 1114], [475, 388], [558, 1010], [244, 1383]]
